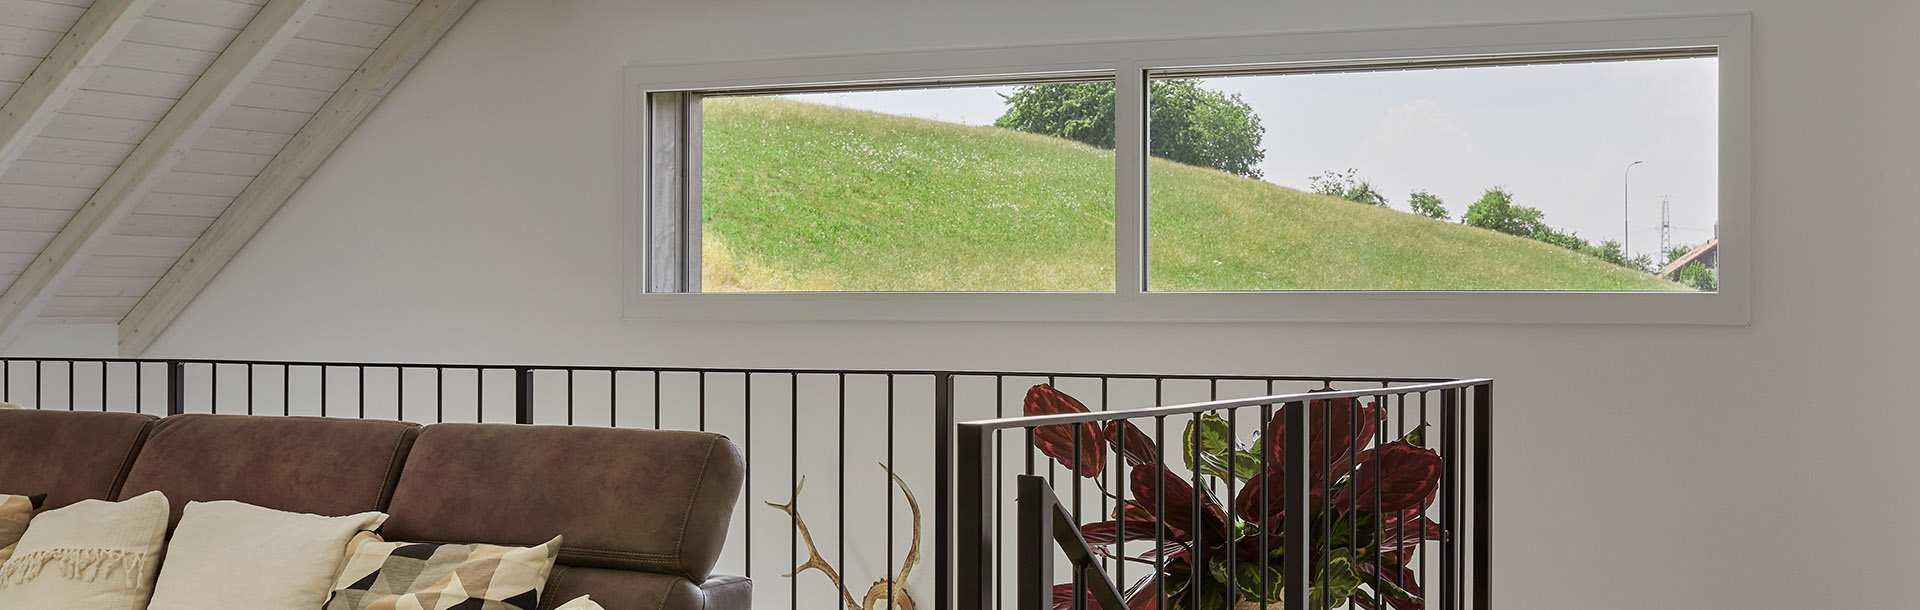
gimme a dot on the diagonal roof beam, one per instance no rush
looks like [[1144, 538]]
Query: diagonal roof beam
[[54, 82], [269, 31], [288, 170]]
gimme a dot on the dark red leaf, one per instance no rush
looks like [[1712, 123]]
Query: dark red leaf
[[1139, 450], [1181, 499], [1108, 532], [1399, 476], [1405, 531], [1058, 441], [1146, 595], [1338, 428]]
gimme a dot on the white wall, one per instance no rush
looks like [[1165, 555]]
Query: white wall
[[475, 217]]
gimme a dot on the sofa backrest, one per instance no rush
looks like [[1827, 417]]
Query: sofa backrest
[[300, 464], [67, 455], [626, 500]]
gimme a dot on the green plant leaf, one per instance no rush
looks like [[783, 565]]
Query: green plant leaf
[[1218, 448], [1247, 583], [1338, 581]]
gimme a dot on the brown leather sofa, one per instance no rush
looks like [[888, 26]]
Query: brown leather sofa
[[644, 512]]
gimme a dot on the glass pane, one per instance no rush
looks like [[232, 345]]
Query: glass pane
[[1484, 178], [898, 190]]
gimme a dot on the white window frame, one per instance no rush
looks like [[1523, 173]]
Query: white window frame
[[1131, 62]]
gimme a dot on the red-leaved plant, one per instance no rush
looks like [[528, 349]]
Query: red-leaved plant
[[1367, 516]]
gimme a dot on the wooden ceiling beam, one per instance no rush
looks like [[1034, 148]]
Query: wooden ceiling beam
[[73, 59], [156, 155], [288, 171]]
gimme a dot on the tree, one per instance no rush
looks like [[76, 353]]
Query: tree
[[1189, 124], [1427, 204], [1699, 276], [1496, 211], [1347, 185]]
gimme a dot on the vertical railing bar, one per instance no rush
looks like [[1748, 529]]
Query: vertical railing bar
[[39, 380], [1160, 500], [213, 392], [793, 469], [1297, 558], [702, 380], [1449, 529], [1326, 479], [570, 373], [139, 385], [1426, 438], [977, 552], [1073, 474], [1483, 497], [399, 393], [888, 486], [523, 396], [250, 388], [1233, 518], [323, 389], [656, 401], [1379, 527], [842, 476], [1266, 501], [1119, 492], [1199, 559], [1118, 464], [176, 393], [479, 395], [360, 378], [103, 386], [746, 415], [286, 389], [440, 394], [999, 474]]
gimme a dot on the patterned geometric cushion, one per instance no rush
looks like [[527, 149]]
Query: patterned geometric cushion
[[15, 512], [381, 575]]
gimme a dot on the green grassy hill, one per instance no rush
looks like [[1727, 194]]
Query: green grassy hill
[[806, 197]]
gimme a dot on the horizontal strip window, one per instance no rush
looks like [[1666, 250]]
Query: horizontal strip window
[[1229, 173]]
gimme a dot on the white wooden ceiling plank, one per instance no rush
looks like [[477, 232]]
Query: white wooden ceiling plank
[[44, 197], [175, 204], [24, 242], [155, 225], [12, 262], [41, 15], [97, 128], [7, 89], [88, 307], [42, 173], [173, 60], [126, 266], [288, 171], [218, 13], [171, 33], [383, 12], [61, 150], [27, 41], [260, 95], [223, 163], [342, 31], [150, 165], [78, 3], [240, 141], [289, 74], [317, 53], [192, 183], [119, 105], [102, 286], [140, 245], [16, 68], [33, 219], [263, 119], [115, 79]]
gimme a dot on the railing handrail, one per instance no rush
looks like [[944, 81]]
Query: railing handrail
[[1029, 421], [757, 370]]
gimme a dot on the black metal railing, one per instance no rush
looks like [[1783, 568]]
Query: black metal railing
[[1337, 515], [794, 425]]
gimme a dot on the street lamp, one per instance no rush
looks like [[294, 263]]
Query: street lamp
[[1626, 233]]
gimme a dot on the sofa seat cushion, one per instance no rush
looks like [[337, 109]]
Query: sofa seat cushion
[[651, 500], [69, 456], [321, 466], [624, 590]]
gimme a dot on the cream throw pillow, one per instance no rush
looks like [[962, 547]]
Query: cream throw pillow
[[230, 555], [580, 603], [93, 555], [15, 512]]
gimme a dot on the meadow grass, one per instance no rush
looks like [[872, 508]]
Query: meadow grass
[[804, 197]]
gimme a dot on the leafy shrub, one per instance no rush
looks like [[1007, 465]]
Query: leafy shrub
[[1428, 205], [1347, 185], [1190, 125]]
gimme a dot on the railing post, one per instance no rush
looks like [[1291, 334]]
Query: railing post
[[1483, 497], [1298, 529], [945, 429], [523, 396], [176, 387], [976, 502], [1036, 544]]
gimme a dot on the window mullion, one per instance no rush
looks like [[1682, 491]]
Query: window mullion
[[1130, 183]]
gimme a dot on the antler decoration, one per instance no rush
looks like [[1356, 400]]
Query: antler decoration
[[894, 590]]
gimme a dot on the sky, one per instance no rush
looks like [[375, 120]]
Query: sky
[[1559, 137]]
